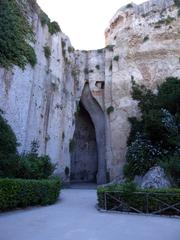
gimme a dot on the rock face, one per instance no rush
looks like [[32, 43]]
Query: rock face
[[155, 178], [143, 44]]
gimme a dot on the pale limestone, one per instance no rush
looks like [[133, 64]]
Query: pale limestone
[[40, 103]]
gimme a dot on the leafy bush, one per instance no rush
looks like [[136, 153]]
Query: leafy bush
[[15, 33], [178, 14], [8, 152], [44, 19], [169, 95], [166, 21], [116, 58], [110, 109], [32, 166], [141, 156], [177, 3], [8, 141], [171, 165], [97, 67], [144, 201], [70, 49], [54, 28], [157, 134], [15, 193], [146, 38], [129, 5], [100, 50], [47, 52]]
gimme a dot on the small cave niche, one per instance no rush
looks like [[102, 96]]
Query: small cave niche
[[100, 84]]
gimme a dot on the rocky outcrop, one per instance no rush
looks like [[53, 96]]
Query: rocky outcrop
[[143, 44], [155, 178]]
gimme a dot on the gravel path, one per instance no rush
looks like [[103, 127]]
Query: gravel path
[[75, 217]]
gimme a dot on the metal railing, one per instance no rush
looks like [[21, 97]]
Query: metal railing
[[142, 202]]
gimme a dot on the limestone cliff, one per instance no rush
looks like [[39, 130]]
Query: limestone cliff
[[143, 44]]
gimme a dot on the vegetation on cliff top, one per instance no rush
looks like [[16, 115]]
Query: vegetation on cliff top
[[15, 36], [52, 26]]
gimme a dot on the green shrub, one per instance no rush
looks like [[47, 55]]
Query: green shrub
[[29, 165], [177, 3], [146, 38], [97, 67], [166, 21], [47, 52], [15, 33], [100, 50], [70, 49], [15, 193], [171, 165], [8, 141], [8, 149], [169, 95], [116, 58], [44, 19], [54, 27], [140, 157], [110, 110], [178, 14], [144, 201], [157, 134], [32, 166], [129, 5]]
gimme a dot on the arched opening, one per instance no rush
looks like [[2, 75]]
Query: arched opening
[[84, 157], [88, 162]]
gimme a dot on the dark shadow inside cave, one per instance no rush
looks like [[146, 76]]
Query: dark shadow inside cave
[[84, 156]]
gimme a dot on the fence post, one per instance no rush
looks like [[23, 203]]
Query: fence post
[[147, 203], [105, 201]]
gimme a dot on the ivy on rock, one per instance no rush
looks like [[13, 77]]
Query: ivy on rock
[[15, 36]]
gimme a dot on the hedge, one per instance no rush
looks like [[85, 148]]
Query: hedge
[[144, 200], [21, 193]]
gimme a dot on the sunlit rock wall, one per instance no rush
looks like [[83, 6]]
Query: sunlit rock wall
[[142, 44], [146, 39]]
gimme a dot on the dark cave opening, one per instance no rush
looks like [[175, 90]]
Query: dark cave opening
[[84, 157]]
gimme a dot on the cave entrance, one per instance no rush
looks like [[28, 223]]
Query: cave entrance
[[84, 157], [88, 162]]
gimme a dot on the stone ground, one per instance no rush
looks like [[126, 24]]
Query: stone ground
[[75, 217]]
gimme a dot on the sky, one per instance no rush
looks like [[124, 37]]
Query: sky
[[83, 21]]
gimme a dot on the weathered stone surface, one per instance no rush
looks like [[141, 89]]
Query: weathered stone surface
[[40, 102], [155, 178]]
